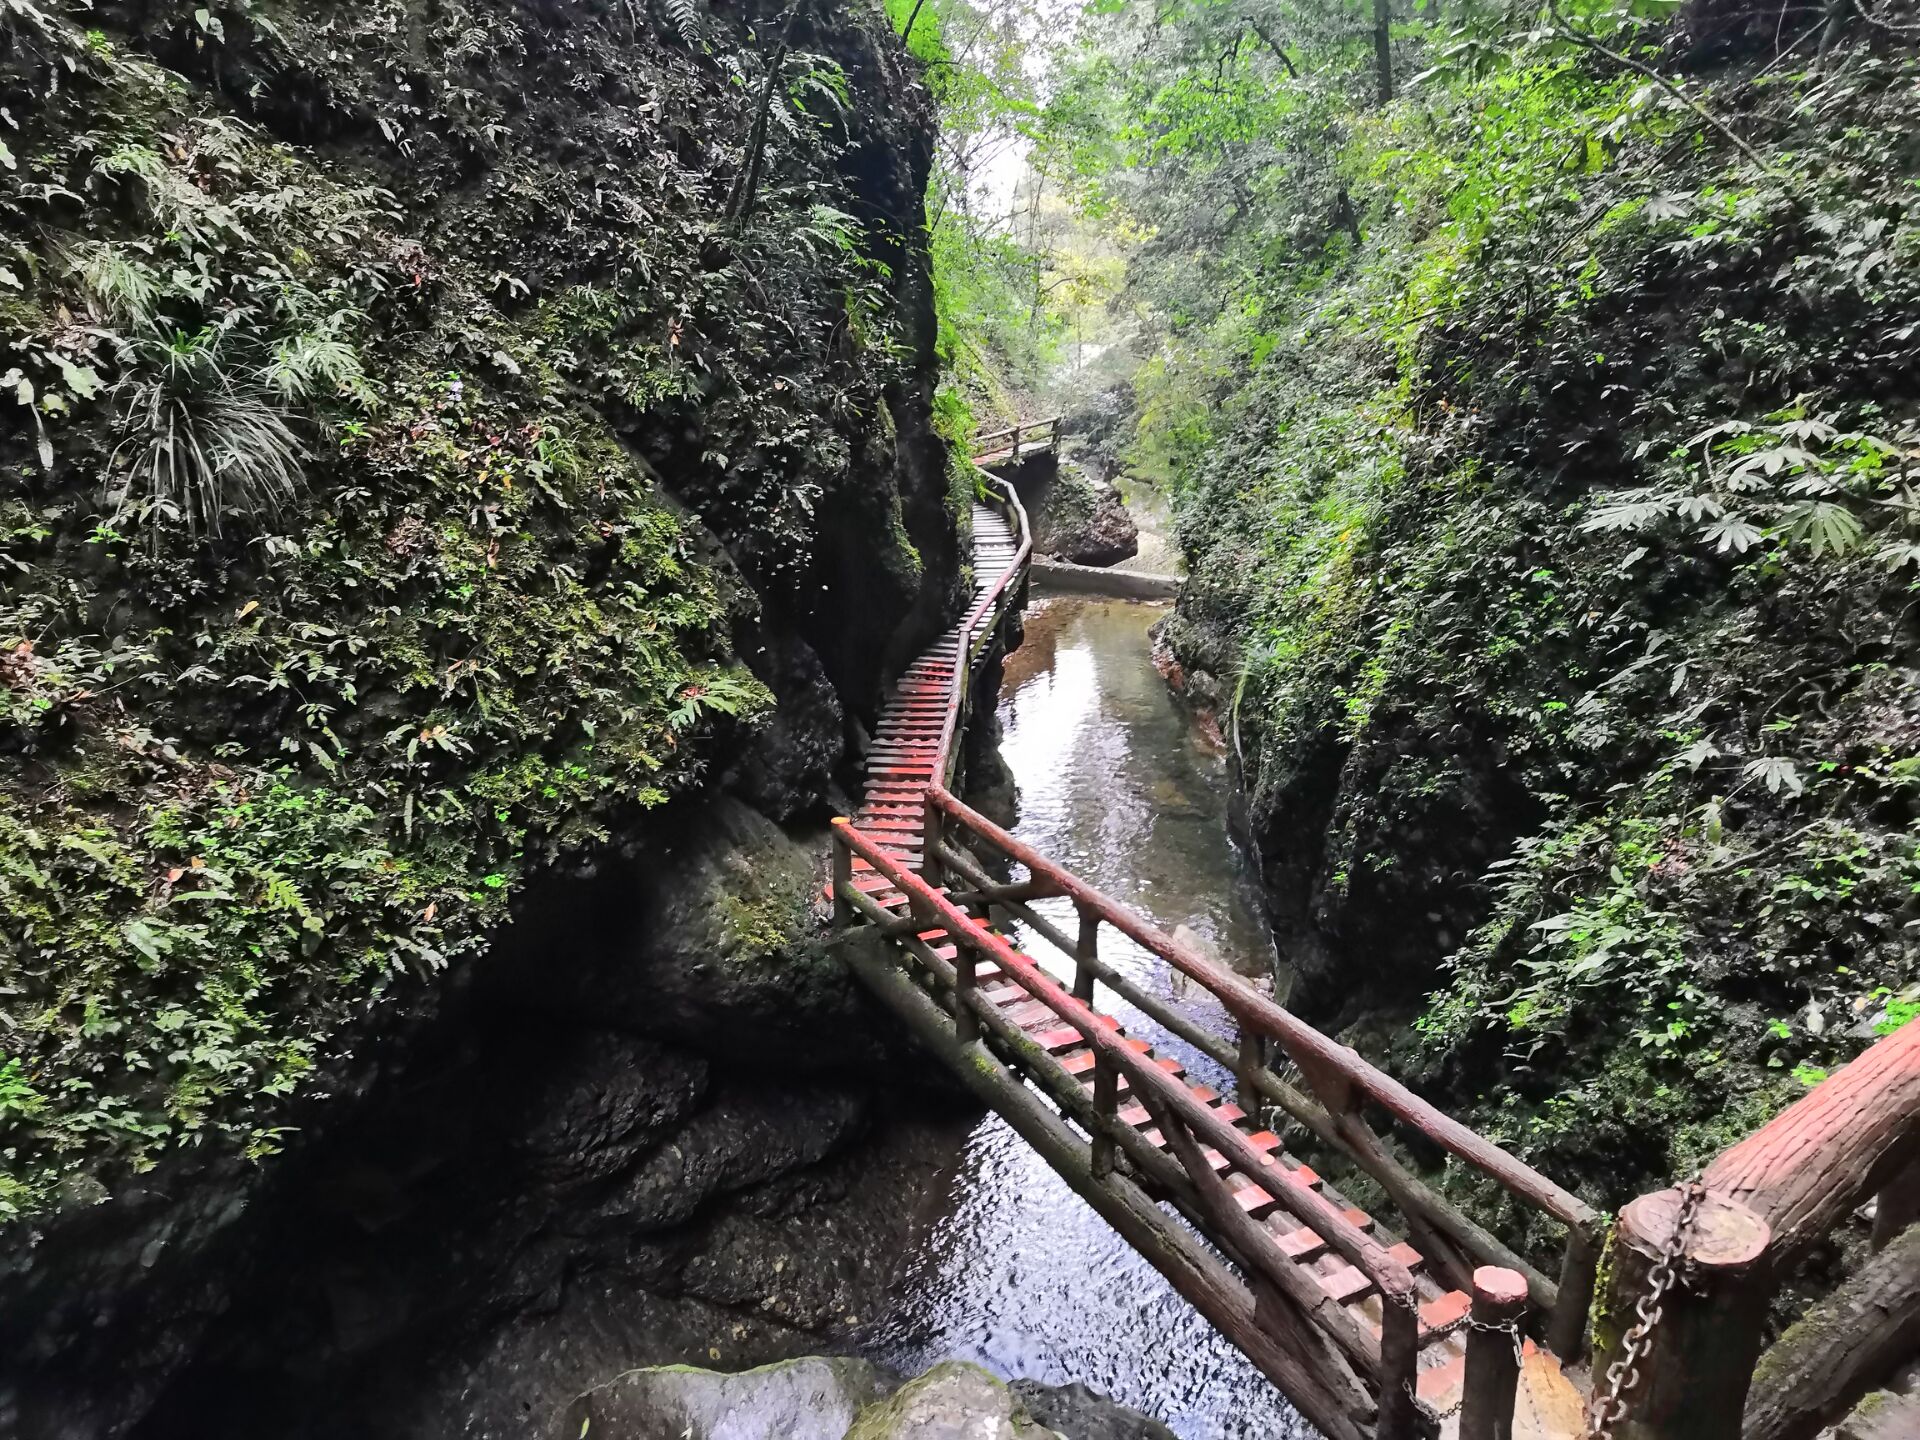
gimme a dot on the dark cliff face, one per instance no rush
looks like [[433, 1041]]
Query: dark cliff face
[[592, 445], [1576, 749]]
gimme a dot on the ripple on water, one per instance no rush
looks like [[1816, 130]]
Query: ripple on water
[[1021, 1275]]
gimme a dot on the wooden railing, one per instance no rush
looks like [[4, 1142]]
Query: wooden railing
[[1352, 1377], [1328, 1389], [982, 623], [1766, 1201], [1340, 1082], [1025, 432]]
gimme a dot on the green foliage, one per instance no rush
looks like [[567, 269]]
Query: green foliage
[[1549, 524], [344, 593], [998, 295]]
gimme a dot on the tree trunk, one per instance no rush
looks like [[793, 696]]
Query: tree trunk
[[1383, 49], [1846, 1344]]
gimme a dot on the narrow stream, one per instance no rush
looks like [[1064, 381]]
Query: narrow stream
[[1020, 1274]]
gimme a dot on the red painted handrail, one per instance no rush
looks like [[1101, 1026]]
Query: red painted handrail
[[1323, 1060]]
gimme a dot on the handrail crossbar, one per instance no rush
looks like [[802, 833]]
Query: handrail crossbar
[[1169, 1099], [983, 444], [1321, 1059]]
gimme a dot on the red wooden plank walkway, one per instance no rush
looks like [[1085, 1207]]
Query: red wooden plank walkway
[[912, 750]]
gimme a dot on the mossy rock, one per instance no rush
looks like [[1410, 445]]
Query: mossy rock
[[815, 1398], [952, 1401]]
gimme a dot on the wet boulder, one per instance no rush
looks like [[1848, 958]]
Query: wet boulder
[[815, 1398], [952, 1401]]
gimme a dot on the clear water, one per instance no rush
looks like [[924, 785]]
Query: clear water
[[1020, 1274]]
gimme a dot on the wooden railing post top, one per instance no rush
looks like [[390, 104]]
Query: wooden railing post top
[[1498, 1291], [1727, 1239]]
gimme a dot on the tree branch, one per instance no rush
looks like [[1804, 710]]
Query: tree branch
[[1275, 46], [1628, 62]]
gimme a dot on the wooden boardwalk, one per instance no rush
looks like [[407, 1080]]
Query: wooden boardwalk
[[1447, 1333], [919, 726], [1356, 1324]]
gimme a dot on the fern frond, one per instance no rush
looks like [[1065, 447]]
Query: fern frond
[[687, 21]]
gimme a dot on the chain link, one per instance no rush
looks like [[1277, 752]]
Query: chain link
[[1511, 1330], [1623, 1375]]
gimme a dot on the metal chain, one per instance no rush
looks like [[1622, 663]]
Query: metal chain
[[1511, 1330], [1624, 1374]]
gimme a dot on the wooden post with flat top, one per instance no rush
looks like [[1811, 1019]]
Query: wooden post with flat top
[[1493, 1354], [1085, 951], [1690, 1382], [842, 879]]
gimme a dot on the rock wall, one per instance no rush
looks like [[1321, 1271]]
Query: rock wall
[[1077, 515], [1567, 645], [603, 451]]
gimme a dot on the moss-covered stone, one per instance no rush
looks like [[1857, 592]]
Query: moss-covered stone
[[407, 437]]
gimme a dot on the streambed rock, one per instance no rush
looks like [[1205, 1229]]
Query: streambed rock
[[1081, 518], [952, 1401], [813, 1398]]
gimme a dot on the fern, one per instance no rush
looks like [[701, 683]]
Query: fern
[[124, 288], [687, 22], [722, 692], [822, 77], [170, 197], [788, 124], [317, 362]]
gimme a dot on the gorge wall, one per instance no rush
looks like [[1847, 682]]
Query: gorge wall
[[470, 474], [1553, 579]]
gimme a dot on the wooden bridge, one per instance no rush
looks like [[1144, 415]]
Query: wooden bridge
[[1415, 1323], [1019, 441]]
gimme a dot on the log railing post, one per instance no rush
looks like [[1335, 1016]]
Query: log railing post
[[1106, 1105], [966, 1024], [930, 837], [1399, 1367], [1689, 1382], [1567, 1323], [1896, 1206], [1086, 951], [842, 882], [1016, 444], [1253, 1059], [1493, 1354]]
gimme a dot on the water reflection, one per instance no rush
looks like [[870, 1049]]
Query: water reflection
[[1021, 1275]]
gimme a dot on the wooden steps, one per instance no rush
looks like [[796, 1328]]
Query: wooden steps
[[905, 754]]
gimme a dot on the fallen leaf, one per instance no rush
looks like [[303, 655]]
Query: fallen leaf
[[247, 609]]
